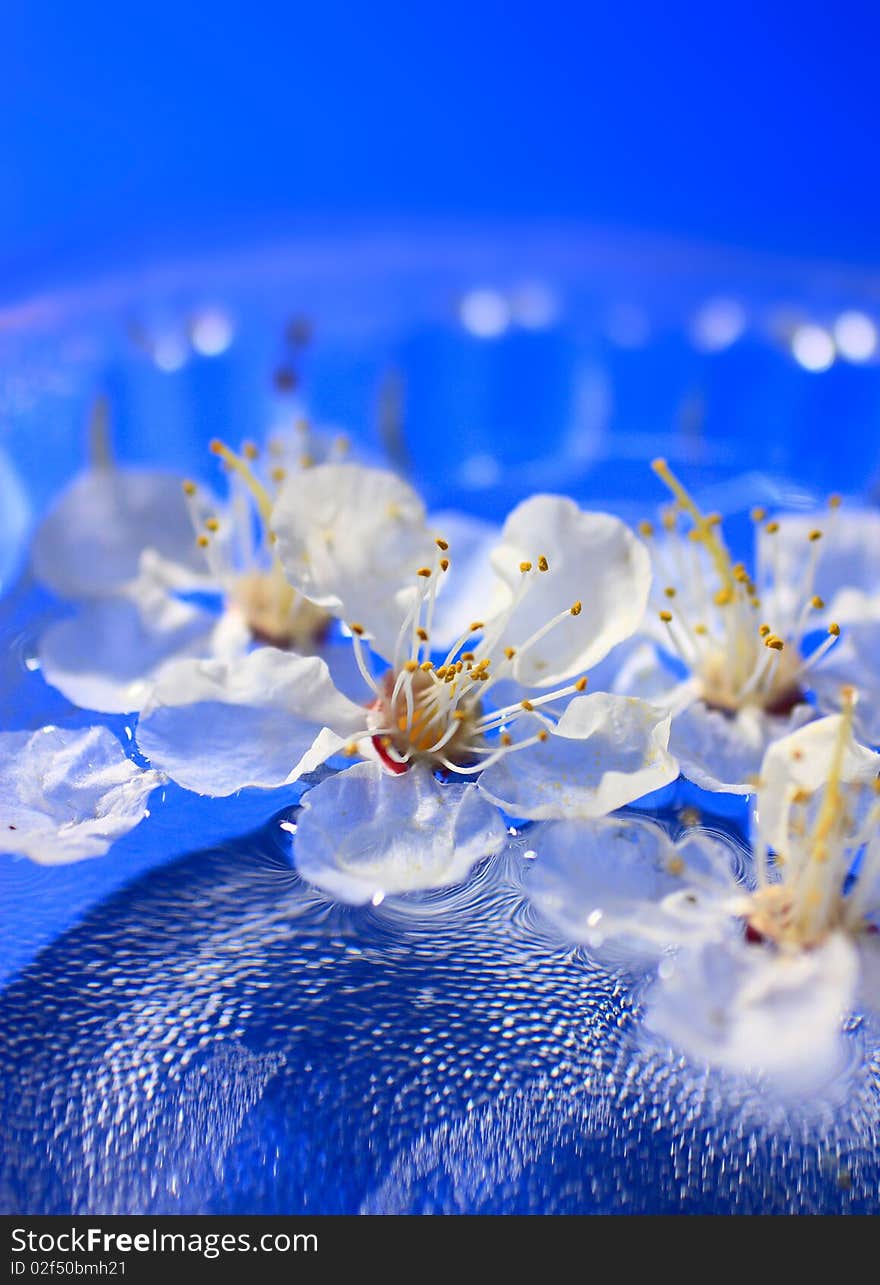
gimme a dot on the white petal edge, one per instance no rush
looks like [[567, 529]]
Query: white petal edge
[[93, 538], [754, 1010], [352, 539], [263, 719], [363, 833], [68, 794], [594, 559], [606, 751]]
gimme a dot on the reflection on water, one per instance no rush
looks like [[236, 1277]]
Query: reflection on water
[[216, 1038]]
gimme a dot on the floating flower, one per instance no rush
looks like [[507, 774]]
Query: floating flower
[[765, 969], [137, 548], [737, 653], [68, 794], [503, 701]]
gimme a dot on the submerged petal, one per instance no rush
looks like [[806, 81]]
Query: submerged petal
[[605, 751], [352, 539], [68, 794], [594, 559], [364, 833], [93, 538], [263, 719], [753, 1008]]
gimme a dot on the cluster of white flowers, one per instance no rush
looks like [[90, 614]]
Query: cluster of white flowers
[[445, 672]]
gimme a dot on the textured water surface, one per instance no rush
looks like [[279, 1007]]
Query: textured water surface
[[217, 1038]]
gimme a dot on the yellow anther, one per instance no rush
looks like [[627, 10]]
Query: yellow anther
[[342, 444], [426, 666], [527, 705], [835, 501], [740, 574], [834, 629], [669, 591], [279, 473], [202, 541], [189, 488], [646, 530], [802, 796], [669, 518], [444, 564], [543, 564], [675, 865], [771, 528], [713, 520], [543, 734], [758, 514], [815, 535], [700, 630], [525, 566], [459, 715], [581, 685], [357, 629], [723, 597], [212, 524], [506, 739], [467, 655], [817, 602], [250, 451], [411, 666], [475, 625], [424, 571], [459, 666], [350, 750], [422, 634], [510, 652], [690, 816], [442, 671], [306, 460], [442, 544], [774, 643], [576, 608], [666, 617], [764, 630]]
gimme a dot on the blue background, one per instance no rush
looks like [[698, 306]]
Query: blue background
[[130, 131]]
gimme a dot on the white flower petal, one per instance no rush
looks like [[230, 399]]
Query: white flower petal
[[606, 751], [848, 558], [217, 726], [604, 879], [352, 539], [802, 761], [107, 656], [92, 540], [594, 558], [364, 832], [723, 753], [752, 1008], [68, 794]]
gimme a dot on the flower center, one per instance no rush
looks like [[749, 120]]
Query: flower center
[[436, 713], [717, 627]]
